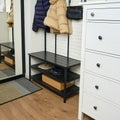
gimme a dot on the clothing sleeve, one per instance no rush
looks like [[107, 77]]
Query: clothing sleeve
[[34, 27], [41, 8], [46, 5]]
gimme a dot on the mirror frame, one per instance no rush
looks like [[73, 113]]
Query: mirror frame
[[23, 47], [23, 37]]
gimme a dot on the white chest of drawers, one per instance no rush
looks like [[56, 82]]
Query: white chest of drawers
[[100, 62]]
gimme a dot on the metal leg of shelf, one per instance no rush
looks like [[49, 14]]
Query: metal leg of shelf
[[29, 67], [65, 79]]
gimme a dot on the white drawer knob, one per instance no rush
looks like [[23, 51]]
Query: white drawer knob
[[92, 14]]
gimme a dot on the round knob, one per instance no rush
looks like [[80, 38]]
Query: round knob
[[92, 14], [95, 107], [97, 87], [98, 65], [100, 37]]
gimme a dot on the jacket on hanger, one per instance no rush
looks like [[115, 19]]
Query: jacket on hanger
[[41, 9], [10, 19], [56, 17]]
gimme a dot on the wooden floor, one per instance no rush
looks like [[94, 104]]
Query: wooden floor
[[3, 66], [41, 105]]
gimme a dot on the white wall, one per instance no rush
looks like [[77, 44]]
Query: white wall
[[1, 5], [4, 32], [8, 3], [35, 41]]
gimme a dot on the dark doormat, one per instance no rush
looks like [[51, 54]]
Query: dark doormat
[[15, 89]]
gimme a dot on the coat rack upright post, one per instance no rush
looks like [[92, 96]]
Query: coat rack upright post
[[13, 37], [55, 44], [45, 43], [68, 44]]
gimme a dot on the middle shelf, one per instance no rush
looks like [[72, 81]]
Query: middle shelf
[[71, 75]]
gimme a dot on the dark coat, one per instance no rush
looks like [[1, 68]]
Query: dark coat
[[41, 9]]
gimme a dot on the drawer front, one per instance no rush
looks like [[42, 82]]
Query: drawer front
[[54, 83], [99, 109], [103, 14], [103, 65], [102, 87], [100, 39]]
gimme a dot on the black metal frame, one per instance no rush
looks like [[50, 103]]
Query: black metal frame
[[23, 37], [66, 67], [23, 48], [45, 43], [55, 52], [13, 36], [65, 78]]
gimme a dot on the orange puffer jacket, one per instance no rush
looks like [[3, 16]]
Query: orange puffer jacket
[[56, 17], [10, 19]]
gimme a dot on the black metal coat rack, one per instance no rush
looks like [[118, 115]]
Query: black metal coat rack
[[45, 43]]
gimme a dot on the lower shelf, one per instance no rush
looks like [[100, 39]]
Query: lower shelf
[[68, 92], [9, 60]]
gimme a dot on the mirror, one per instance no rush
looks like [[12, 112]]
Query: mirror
[[10, 39]]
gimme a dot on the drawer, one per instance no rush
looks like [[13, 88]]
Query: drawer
[[102, 87], [54, 83], [100, 39], [103, 65], [9, 60], [98, 109], [103, 14]]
